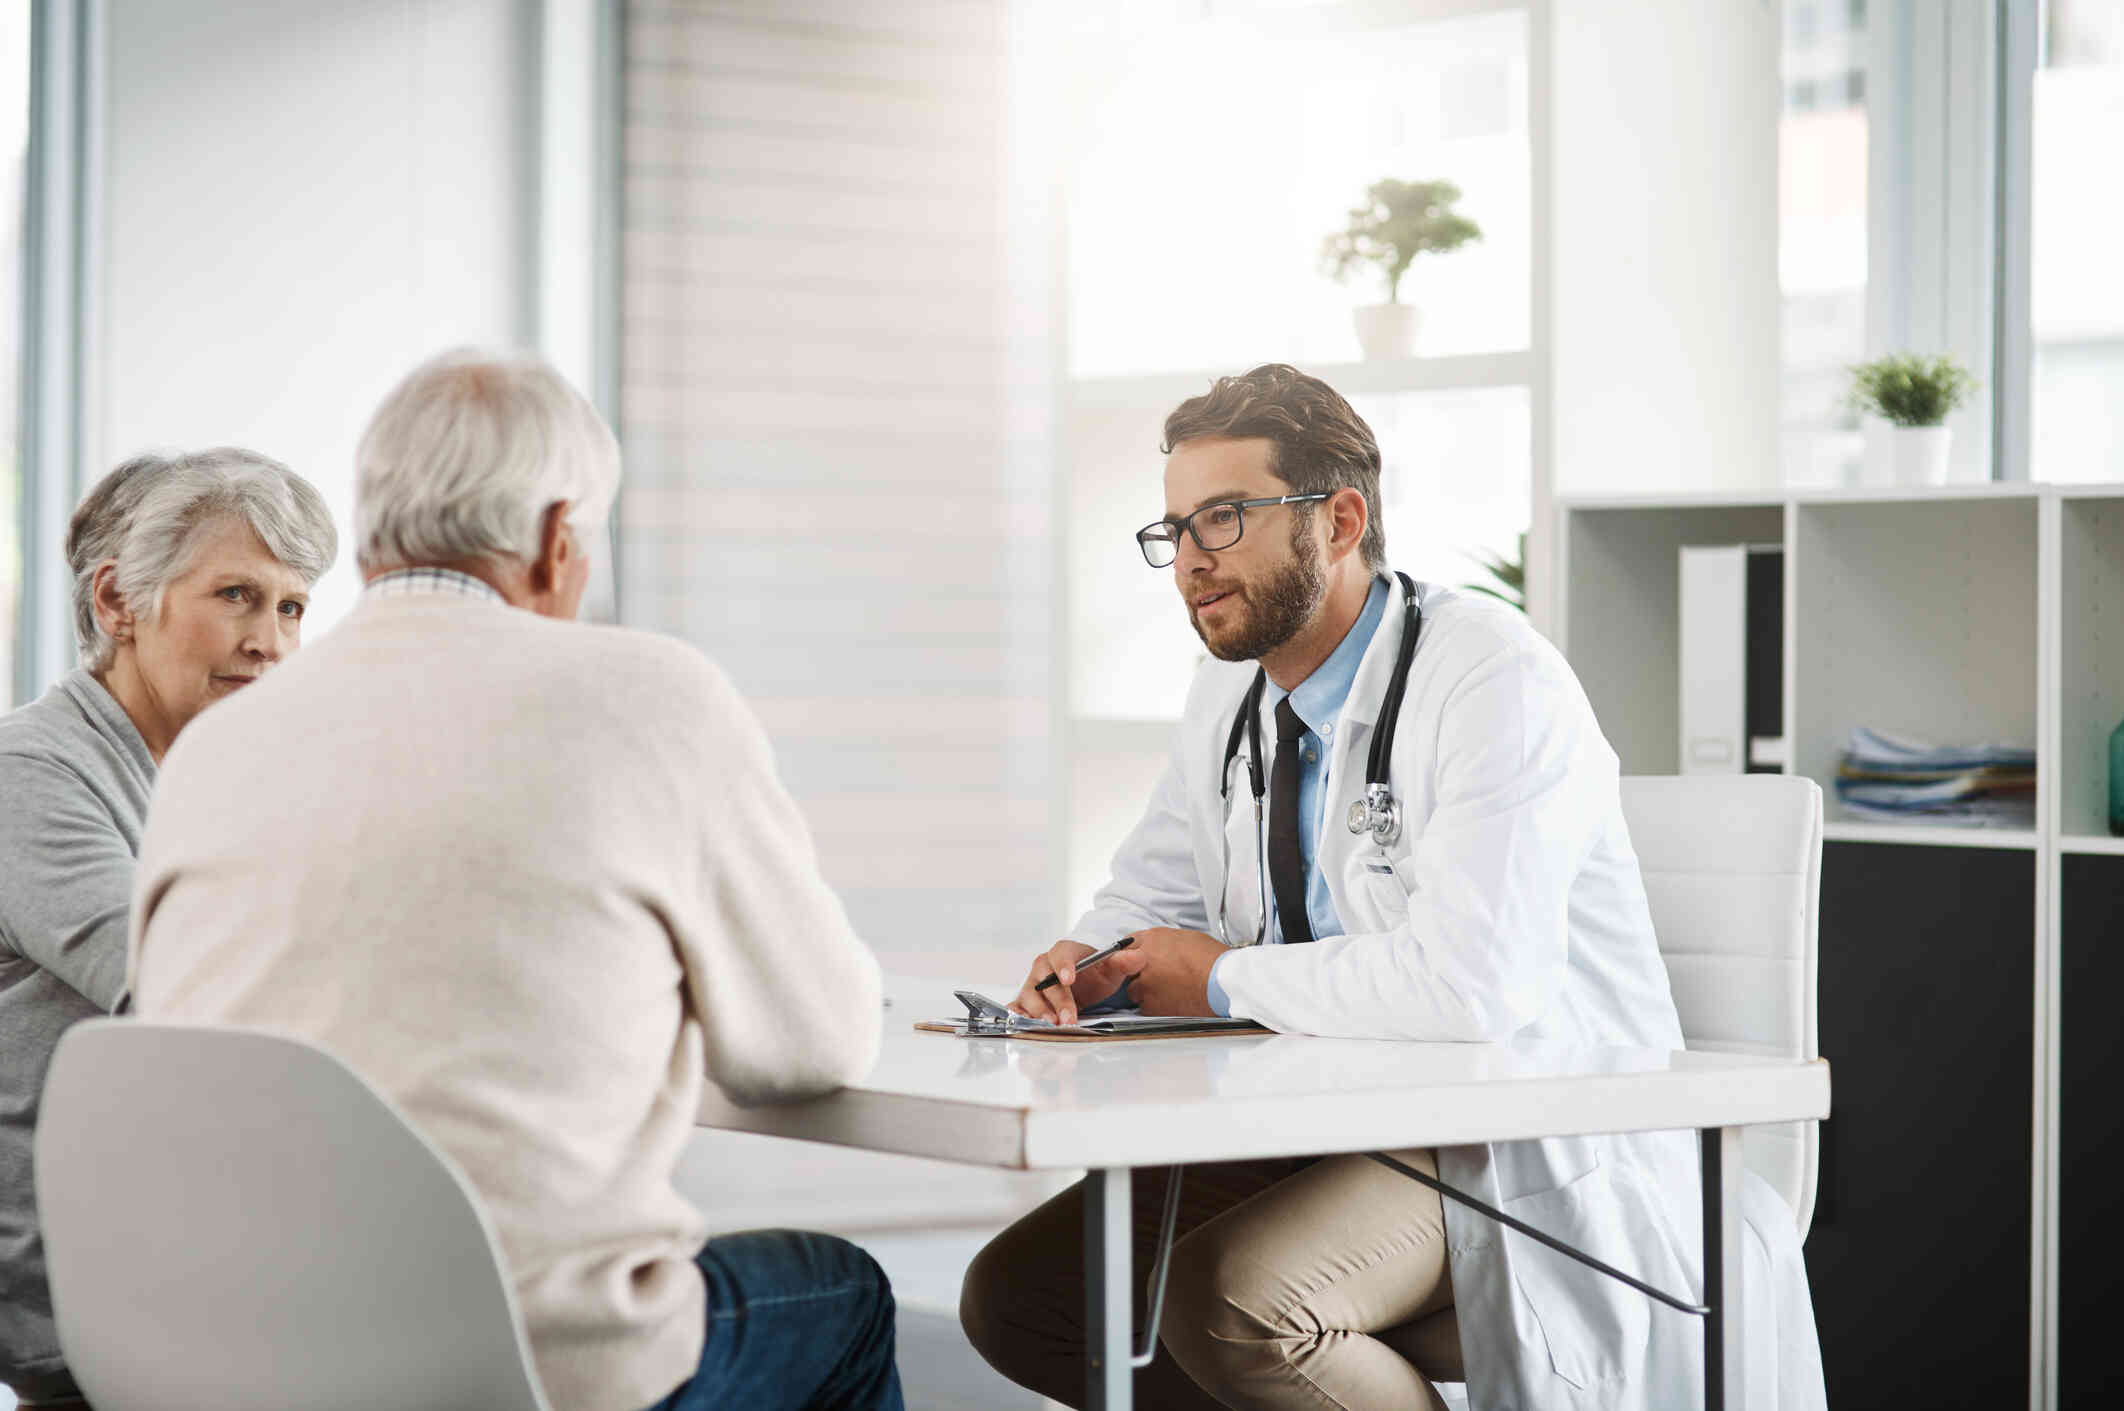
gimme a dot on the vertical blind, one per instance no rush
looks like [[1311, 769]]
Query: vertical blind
[[823, 406]]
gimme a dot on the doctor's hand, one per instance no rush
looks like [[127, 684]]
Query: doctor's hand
[[1058, 1003], [1171, 970]]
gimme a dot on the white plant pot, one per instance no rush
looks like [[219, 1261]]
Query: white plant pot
[[1386, 330], [1907, 455]]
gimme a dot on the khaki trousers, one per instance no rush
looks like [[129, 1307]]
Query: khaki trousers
[[1294, 1283]]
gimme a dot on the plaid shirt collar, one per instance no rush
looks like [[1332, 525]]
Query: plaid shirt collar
[[406, 582]]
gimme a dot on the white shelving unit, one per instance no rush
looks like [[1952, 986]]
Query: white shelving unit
[[1962, 614], [1915, 613]]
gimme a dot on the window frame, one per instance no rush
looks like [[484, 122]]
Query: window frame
[[62, 198]]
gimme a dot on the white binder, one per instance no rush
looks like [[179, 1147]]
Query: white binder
[[1732, 659], [1714, 659]]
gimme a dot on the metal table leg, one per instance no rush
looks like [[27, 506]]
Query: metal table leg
[[1724, 1383], [1106, 1293], [1724, 1167]]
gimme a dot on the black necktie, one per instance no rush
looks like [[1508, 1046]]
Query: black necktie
[[1286, 864]]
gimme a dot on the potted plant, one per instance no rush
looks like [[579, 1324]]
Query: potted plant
[[1510, 573], [1398, 221], [1912, 394]]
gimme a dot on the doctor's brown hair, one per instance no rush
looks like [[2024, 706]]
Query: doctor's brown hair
[[1321, 444]]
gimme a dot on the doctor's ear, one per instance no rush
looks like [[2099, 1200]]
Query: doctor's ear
[[112, 615], [1347, 516]]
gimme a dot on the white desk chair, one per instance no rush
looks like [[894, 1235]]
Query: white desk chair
[[1733, 867], [236, 1222]]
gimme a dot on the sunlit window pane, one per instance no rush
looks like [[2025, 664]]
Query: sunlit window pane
[[1821, 253], [1215, 157], [1455, 479], [14, 141], [2077, 294]]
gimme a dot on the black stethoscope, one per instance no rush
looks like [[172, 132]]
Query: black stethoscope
[[1377, 813]]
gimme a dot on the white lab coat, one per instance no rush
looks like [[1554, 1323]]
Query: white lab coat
[[1510, 909]]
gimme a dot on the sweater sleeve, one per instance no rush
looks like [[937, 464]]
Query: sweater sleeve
[[1523, 779], [789, 998], [66, 877]]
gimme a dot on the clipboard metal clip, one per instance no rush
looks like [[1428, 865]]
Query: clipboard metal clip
[[984, 1015]]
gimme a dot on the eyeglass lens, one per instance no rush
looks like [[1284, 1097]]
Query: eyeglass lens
[[1214, 527]]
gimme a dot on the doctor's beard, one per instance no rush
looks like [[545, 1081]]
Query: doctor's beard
[[1276, 608]]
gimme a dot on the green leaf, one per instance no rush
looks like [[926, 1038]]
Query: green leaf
[[1398, 221], [1511, 573], [1910, 389]]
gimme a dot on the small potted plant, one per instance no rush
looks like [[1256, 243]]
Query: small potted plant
[[1913, 394], [1398, 221], [1510, 573]]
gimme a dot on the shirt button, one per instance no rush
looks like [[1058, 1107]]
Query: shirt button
[[1328, 729]]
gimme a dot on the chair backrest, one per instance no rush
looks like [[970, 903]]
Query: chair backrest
[[1732, 867], [234, 1220]]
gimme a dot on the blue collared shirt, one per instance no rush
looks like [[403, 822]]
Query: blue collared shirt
[[1318, 702]]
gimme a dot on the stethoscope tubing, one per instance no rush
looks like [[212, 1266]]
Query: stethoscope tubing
[[1380, 811]]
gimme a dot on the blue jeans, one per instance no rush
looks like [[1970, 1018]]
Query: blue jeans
[[796, 1322]]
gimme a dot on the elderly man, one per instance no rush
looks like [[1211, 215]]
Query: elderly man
[[535, 880]]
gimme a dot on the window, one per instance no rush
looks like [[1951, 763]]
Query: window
[[1214, 157], [2076, 315], [14, 145], [1455, 478], [1945, 187], [1822, 233]]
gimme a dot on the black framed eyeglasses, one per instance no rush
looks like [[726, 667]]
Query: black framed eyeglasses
[[1214, 527]]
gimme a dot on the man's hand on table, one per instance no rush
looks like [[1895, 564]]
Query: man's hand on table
[[1169, 969]]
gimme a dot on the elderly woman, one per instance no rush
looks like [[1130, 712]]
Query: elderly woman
[[190, 577]]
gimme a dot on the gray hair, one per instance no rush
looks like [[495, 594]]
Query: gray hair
[[468, 452], [147, 514]]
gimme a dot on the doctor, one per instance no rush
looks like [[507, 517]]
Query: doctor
[[1496, 898]]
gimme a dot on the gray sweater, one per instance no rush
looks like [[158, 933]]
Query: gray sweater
[[75, 778]]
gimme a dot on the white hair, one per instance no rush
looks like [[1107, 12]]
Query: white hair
[[465, 456], [147, 517]]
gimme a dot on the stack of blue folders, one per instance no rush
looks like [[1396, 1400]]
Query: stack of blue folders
[[1894, 779]]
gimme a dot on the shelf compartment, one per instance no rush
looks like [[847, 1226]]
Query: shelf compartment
[[1622, 616], [2091, 657], [1913, 617]]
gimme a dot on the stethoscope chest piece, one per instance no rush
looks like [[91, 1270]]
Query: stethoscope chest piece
[[1377, 813]]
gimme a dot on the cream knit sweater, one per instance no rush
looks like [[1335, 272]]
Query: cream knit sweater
[[534, 880]]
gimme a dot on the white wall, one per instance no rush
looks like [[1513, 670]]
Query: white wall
[[304, 198], [1665, 244]]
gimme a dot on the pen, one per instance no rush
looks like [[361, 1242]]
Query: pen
[[1089, 961]]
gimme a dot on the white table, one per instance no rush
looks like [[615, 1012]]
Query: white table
[[1111, 1107]]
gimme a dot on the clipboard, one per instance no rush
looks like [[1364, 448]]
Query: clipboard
[[985, 1019]]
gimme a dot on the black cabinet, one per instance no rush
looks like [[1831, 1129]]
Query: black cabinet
[[2090, 1133], [1919, 1254]]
